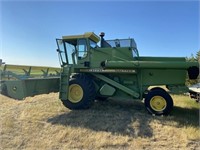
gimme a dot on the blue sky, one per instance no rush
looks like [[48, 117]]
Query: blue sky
[[160, 28]]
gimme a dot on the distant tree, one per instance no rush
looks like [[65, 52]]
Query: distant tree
[[193, 58], [198, 56]]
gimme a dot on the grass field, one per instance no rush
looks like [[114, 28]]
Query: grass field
[[41, 122]]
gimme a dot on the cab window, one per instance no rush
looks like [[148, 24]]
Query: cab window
[[93, 44], [82, 48]]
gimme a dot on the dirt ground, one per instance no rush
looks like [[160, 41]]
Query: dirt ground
[[42, 122]]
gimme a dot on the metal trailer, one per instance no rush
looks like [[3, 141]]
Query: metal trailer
[[114, 69], [19, 82]]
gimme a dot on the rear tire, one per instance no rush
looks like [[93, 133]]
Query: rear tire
[[158, 102], [81, 93]]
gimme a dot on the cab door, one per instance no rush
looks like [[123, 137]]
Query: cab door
[[62, 52], [83, 53]]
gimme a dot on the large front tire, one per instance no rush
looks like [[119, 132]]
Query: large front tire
[[81, 93], [158, 102]]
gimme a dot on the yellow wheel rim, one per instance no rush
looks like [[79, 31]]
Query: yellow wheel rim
[[75, 93], [158, 103]]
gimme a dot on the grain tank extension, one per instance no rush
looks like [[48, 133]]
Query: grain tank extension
[[95, 68]]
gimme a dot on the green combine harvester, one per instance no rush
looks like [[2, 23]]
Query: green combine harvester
[[115, 69], [112, 69]]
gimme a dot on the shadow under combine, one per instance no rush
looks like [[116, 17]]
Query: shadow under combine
[[110, 116], [124, 118]]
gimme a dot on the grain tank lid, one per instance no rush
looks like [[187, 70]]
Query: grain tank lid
[[90, 35]]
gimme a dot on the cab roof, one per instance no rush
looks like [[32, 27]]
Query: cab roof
[[90, 35]]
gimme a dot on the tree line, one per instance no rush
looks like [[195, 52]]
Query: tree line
[[193, 58]]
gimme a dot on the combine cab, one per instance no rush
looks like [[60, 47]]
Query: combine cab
[[114, 69]]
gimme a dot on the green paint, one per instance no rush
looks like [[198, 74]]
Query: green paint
[[107, 90], [117, 63], [20, 82]]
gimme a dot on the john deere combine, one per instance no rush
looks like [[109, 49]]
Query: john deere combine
[[115, 69]]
